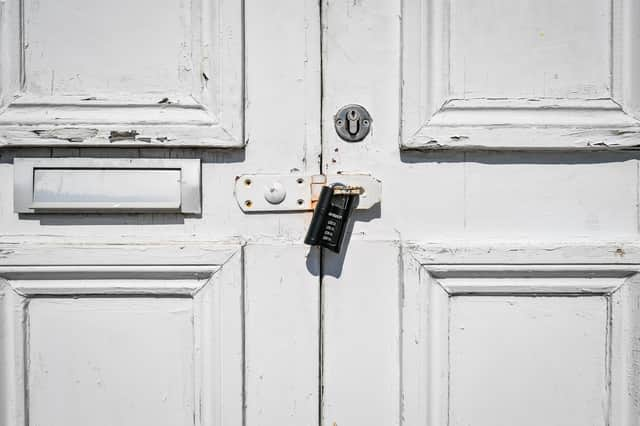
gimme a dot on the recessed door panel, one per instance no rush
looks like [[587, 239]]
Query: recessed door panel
[[131, 344], [126, 361], [528, 360], [122, 73], [537, 49], [522, 74], [126, 47], [518, 336]]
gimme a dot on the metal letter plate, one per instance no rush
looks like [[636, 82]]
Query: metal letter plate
[[46, 185]]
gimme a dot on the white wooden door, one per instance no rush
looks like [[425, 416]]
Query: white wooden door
[[133, 288], [496, 284]]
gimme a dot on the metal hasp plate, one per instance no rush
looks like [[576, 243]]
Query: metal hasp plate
[[273, 193], [352, 123]]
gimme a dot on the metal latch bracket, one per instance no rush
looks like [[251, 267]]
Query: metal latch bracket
[[274, 193]]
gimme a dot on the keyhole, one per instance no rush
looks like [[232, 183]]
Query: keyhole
[[354, 122]]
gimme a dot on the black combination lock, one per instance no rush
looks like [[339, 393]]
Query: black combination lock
[[329, 221]]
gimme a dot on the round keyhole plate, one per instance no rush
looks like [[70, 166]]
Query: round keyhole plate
[[349, 128]]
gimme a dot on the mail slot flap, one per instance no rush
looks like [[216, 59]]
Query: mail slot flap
[[91, 184]]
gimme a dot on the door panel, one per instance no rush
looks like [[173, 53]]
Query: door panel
[[126, 73], [104, 354], [509, 354], [161, 41], [128, 344], [526, 75], [502, 342], [570, 46]]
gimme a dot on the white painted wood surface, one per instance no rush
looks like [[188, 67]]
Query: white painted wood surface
[[176, 65], [528, 360], [366, 337], [120, 361], [504, 189], [454, 52], [282, 303], [564, 349], [275, 146], [126, 351], [133, 99], [571, 46], [361, 350], [624, 365]]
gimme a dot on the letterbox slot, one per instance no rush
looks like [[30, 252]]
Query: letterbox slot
[[94, 185]]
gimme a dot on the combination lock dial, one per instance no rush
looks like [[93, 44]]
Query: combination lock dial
[[329, 221]]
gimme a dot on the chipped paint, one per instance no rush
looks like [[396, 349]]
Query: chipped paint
[[71, 134], [115, 135]]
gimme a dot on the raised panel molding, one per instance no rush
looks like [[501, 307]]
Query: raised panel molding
[[433, 119], [434, 274], [211, 277], [207, 113]]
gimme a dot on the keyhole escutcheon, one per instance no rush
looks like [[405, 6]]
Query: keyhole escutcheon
[[352, 123]]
